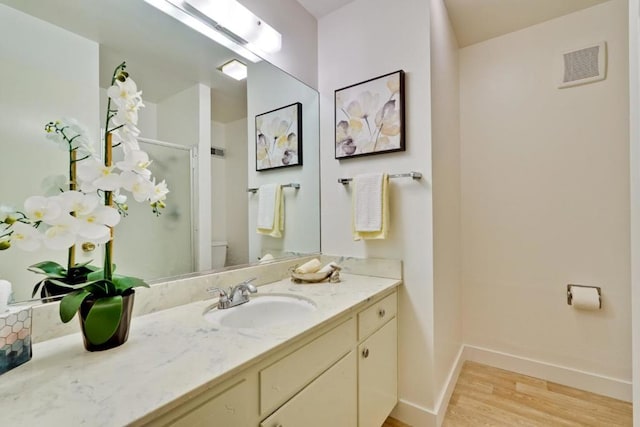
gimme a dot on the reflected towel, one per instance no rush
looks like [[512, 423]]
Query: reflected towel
[[270, 210], [370, 206]]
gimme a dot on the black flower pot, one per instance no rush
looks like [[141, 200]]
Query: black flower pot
[[121, 334]]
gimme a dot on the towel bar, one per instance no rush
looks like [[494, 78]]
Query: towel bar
[[413, 175], [290, 185]]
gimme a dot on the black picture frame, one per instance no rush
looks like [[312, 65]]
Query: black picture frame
[[279, 138], [369, 117]]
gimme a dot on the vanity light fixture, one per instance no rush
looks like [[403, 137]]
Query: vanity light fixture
[[240, 21], [226, 22], [234, 69]]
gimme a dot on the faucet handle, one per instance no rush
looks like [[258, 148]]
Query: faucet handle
[[247, 285], [222, 294], [251, 288]]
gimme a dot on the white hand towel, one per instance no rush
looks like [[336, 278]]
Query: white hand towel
[[266, 206], [368, 202]]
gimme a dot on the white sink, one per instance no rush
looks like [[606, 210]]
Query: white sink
[[262, 311]]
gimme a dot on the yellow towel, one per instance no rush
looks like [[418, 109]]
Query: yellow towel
[[384, 231], [278, 217]]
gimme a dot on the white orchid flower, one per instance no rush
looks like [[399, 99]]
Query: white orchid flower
[[135, 161], [80, 137], [78, 203], [40, 208], [6, 211], [94, 175], [62, 234], [127, 136], [123, 93], [26, 237], [94, 226], [125, 116], [128, 113], [159, 192], [70, 134], [140, 187], [57, 139]]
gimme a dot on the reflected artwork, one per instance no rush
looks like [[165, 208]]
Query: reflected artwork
[[279, 138]]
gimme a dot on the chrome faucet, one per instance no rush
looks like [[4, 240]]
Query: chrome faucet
[[238, 294]]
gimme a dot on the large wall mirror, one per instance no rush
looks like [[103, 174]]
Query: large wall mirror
[[58, 57]]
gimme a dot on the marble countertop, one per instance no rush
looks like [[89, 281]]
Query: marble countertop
[[169, 354]]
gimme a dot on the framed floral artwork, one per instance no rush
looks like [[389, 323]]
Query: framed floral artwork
[[279, 138], [369, 117]]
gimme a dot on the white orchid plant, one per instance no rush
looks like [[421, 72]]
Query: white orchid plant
[[87, 209]]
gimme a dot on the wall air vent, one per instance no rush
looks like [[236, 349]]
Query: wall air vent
[[217, 152], [583, 66]]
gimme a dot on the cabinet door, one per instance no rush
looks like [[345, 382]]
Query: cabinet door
[[329, 401], [378, 376], [229, 408]]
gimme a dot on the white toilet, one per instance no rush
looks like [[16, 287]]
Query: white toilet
[[218, 254]]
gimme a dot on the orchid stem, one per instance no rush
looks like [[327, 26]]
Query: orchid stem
[[108, 195], [71, 258]]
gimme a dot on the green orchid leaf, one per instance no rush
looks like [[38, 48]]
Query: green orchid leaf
[[123, 283], [103, 319], [50, 268], [97, 288], [95, 275], [85, 264], [70, 304], [38, 287], [76, 286]]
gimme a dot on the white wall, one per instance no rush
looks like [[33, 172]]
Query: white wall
[[634, 93], [47, 73], [185, 118], [267, 89], [545, 195], [218, 184], [229, 202], [237, 198], [445, 117], [355, 44], [299, 37]]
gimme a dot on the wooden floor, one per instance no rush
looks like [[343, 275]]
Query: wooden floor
[[392, 422], [486, 396]]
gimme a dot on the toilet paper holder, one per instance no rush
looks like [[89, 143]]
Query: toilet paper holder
[[570, 297]]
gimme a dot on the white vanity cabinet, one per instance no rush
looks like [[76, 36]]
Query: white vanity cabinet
[[229, 407], [228, 404], [343, 374], [377, 361], [330, 400]]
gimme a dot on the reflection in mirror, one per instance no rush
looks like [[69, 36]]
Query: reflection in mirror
[[59, 64]]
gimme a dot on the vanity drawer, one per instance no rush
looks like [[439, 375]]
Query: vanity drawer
[[329, 401], [286, 377], [377, 315]]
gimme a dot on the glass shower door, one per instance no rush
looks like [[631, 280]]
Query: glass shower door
[[153, 247]]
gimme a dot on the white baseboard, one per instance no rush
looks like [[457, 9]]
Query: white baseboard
[[588, 381], [452, 379], [414, 415]]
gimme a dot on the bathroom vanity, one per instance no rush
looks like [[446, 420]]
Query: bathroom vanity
[[343, 374], [337, 366]]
